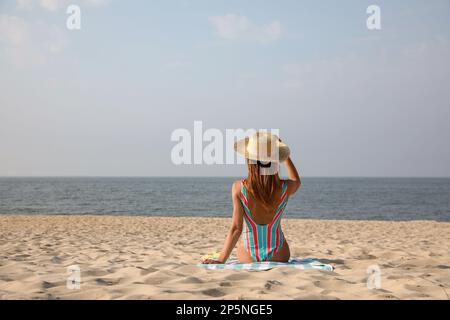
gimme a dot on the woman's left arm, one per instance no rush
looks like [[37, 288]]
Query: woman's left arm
[[236, 227]]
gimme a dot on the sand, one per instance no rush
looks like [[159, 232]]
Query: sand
[[155, 258]]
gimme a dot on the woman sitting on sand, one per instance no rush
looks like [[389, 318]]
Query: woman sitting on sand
[[260, 201]]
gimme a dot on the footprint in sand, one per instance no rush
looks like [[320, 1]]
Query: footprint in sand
[[145, 271], [366, 256], [225, 284], [191, 280], [384, 294], [5, 278], [153, 280], [56, 259], [96, 273], [21, 257], [47, 285], [213, 293], [271, 283], [106, 282], [346, 281], [326, 294], [415, 288]]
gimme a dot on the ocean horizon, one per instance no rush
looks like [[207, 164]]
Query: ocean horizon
[[340, 198]]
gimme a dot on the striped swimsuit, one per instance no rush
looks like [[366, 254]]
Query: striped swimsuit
[[262, 241]]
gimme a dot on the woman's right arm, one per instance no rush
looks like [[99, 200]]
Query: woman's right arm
[[293, 182], [236, 226]]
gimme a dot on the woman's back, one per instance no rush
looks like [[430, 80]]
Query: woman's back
[[262, 235], [261, 213]]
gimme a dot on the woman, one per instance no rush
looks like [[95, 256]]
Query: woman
[[259, 202]]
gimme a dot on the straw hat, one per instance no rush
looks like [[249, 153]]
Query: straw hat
[[262, 146]]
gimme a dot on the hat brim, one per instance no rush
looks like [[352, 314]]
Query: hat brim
[[240, 147]]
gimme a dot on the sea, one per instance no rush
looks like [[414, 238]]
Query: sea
[[399, 199]]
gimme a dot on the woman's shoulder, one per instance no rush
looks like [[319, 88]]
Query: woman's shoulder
[[237, 184], [236, 188]]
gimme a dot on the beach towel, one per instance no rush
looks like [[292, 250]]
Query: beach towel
[[296, 263]]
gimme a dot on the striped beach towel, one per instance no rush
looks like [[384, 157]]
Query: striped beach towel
[[303, 264]]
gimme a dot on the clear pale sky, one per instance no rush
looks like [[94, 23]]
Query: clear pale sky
[[104, 100]]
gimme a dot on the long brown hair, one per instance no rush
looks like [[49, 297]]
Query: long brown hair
[[262, 186]]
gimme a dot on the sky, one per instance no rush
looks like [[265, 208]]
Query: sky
[[105, 99]]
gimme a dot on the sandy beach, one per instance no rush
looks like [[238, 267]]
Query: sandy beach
[[155, 258]]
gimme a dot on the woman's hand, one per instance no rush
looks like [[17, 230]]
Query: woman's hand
[[212, 261]]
